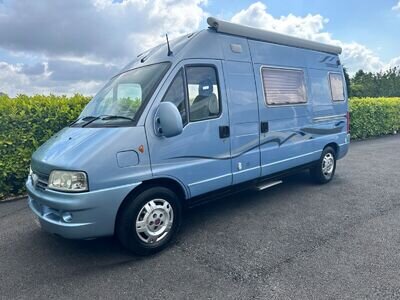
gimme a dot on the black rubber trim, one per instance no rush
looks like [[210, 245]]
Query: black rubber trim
[[233, 189]]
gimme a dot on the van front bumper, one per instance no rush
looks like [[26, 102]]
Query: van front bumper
[[77, 215]]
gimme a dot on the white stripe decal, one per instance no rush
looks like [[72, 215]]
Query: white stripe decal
[[287, 159], [209, 179], [270, 164], [242, 171]]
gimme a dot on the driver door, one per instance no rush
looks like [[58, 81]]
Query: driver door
[[200, 156]]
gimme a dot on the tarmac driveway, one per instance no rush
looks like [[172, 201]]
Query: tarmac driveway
[[296, 240]]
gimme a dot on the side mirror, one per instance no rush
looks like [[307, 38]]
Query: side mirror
[[168, 120]]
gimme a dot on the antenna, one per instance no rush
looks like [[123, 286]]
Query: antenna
[[169, 48]]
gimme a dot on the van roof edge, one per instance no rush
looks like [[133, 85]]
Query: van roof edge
[[270, 36]]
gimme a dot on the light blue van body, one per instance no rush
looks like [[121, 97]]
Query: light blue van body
[[197, 161]]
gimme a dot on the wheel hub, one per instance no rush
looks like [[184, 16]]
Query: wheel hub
[[154, 221], [328, 164]]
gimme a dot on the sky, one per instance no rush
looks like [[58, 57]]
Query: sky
[[74, 46]]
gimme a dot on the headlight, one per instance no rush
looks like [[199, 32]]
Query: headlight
[[68, 181]]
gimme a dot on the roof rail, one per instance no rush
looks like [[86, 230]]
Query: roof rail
[[270, 36]]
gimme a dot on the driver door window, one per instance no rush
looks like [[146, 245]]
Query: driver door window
[[202, 91], [176, 95]]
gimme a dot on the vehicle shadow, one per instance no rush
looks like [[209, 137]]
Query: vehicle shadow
[[110, 249], [247, 200]]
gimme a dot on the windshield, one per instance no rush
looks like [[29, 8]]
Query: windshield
[[123, 97]]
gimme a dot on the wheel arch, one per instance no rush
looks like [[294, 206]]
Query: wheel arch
[[167, 182], [333, 145]]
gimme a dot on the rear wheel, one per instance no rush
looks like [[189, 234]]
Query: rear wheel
[[149, 221], [324, 170]]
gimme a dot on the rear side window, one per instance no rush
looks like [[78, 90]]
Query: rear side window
[[337, 86], [283, 86]]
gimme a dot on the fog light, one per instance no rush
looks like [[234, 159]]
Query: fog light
[[67, 217]]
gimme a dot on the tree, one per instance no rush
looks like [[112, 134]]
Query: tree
[[348, 83], [381, 84]]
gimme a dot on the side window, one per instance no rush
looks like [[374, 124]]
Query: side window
[[337, 86], [203, 91], [176, 95], [283, 86]]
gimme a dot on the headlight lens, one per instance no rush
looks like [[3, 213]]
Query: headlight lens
[[68, 181]]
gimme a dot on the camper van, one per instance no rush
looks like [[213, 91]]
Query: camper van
[[224, 109]]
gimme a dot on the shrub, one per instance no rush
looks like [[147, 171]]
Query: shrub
[[374, 116], [25, 123]]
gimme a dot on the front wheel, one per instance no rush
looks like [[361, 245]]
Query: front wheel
[[149, 222], [324, 170]]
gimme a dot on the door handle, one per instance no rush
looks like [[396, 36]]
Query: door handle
[[264, 127], [224, 132]]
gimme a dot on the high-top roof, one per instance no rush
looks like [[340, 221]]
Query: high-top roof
[[270, 36]]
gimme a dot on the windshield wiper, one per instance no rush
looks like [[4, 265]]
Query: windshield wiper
[[91, 120], [112, 117], [105, 118], [82, 119]]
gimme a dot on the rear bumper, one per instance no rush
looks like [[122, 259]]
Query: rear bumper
[[93, 213], [344, 148]]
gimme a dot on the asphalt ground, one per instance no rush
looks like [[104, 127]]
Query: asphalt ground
[[296, 240]]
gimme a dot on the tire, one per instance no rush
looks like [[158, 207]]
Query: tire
[[324, 170], [149, 221]]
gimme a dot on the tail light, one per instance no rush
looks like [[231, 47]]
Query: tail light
[[348, 121]]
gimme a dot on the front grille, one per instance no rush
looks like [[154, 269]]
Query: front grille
[[41, 181]]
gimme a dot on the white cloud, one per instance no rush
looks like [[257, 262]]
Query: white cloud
[[396, 7], [97, 29], [80, 39], [308, 27], [355, 56], [14, 80], [394, 62], [11, 80], [78, 44]]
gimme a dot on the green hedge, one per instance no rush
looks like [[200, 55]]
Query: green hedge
[[374, 116], [27, 122]]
